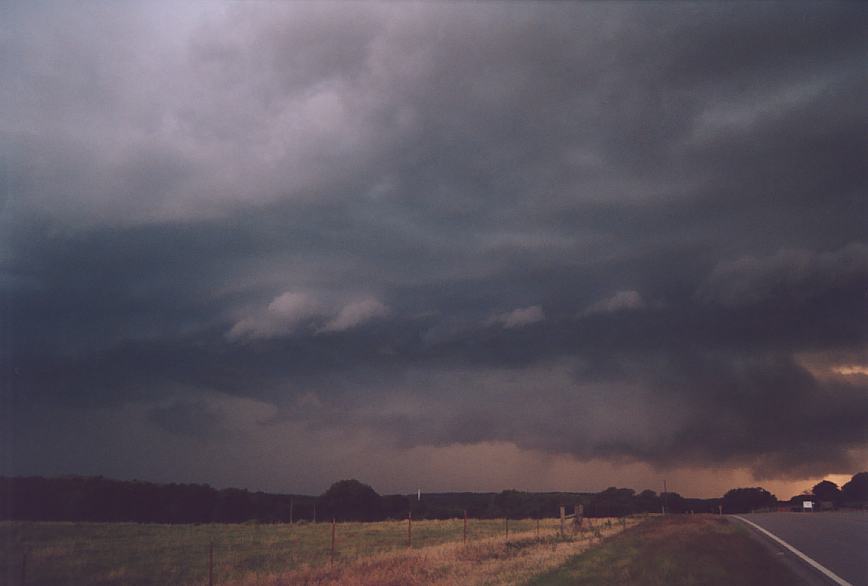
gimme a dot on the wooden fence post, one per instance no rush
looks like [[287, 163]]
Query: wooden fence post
[[537, 528], [563, 518], [465, 526], [333, 541], [409, 529], [211, 564], [507, 529], [579, 511]]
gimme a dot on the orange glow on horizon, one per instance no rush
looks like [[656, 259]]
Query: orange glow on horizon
[[851, 369]]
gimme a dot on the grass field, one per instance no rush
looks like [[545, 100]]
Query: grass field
[[674, 550], [140, 554]]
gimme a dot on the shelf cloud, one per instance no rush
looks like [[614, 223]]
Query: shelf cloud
[[332, 234]]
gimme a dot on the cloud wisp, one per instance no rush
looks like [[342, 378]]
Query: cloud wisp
[[356, 313], [291, 312], [620, 301], [517, 318]]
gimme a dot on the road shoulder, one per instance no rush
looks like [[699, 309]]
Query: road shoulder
[[810, 576]]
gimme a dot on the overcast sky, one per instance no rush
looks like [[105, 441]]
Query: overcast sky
[[450, 246]]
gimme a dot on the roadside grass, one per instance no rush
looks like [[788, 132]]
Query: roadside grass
[[674, 550], [492, 561], [148, 554]]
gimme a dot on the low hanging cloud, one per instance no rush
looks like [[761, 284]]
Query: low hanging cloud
[[620, 301], [794, 276], [293, 312], [356, 313], [284, 315], [517, 318], [189, 418]]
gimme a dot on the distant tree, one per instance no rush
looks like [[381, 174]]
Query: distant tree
[[395, 506], [675, 503], [856, 489], [233, 506], [745, 500], [647, 501], [507, 503], [826, 491], [613, 502], [351, 500], [516, 504]]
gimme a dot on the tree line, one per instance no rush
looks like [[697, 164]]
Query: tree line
[[853, 493], [98, 499], [101, 499]]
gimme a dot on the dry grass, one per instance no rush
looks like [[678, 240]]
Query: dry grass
[[492, 561], [104, 554], [107, 554]]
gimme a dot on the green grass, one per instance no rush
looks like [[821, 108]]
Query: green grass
[[141, 554], [674, 550]]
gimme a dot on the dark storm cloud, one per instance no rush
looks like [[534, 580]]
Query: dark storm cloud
[[788, 275], [193, 418], [448, 223]]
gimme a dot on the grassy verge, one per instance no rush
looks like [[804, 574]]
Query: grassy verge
[[99, 554], [674, 550], [490, 562]]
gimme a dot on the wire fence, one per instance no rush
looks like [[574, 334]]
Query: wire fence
[[39, 554]]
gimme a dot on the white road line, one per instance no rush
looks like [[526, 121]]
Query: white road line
[[827, 572]]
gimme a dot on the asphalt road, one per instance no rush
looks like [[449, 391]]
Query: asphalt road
[[836, 540]]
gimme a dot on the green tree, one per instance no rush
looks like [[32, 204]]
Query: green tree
[[856, 489], [826, 491], [675, 503], [647, 501], [613, 502], [351, 500], [745, 500]]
